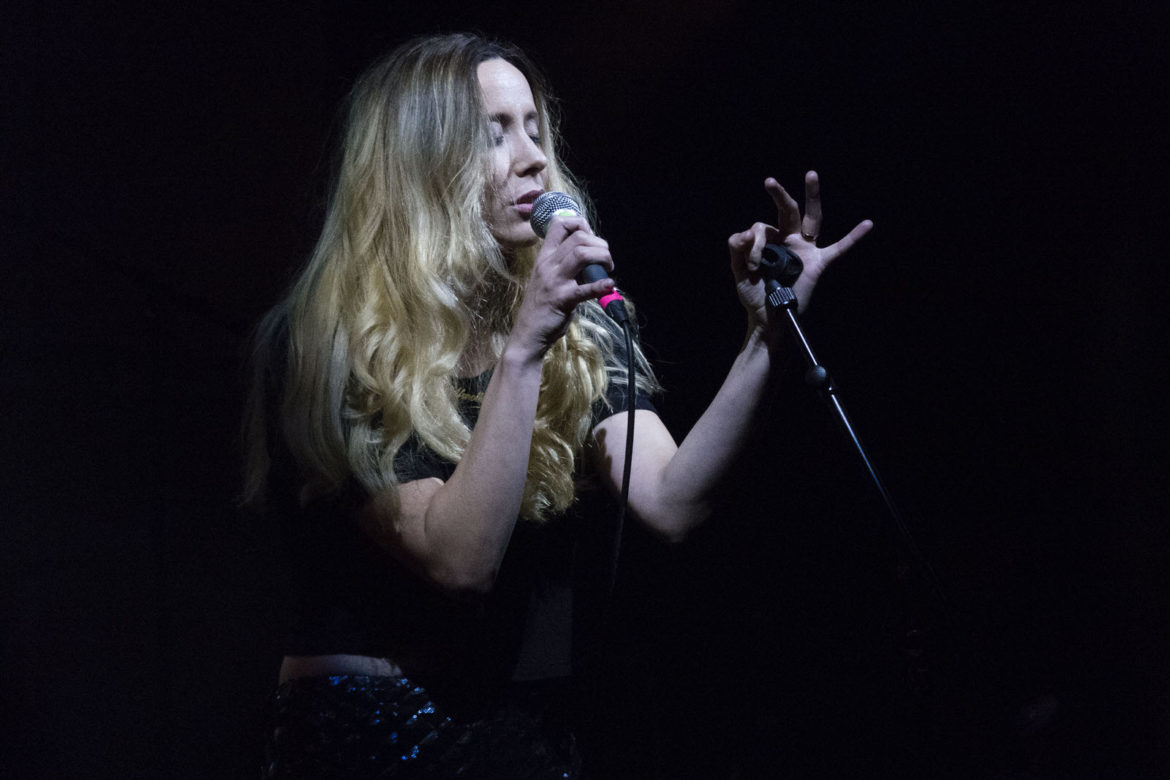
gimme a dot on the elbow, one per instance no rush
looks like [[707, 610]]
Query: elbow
[[671, 507], [675, 527], [680, 532], [673, 530], [465, 583]]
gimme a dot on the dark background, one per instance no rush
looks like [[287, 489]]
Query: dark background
[[998, 339]]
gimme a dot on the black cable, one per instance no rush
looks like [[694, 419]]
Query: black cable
[[631, 388]]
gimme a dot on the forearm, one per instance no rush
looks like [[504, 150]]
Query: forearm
[[687, 482], [676, 486], [455, 533]]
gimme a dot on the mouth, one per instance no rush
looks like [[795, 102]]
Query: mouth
[[523, 203]]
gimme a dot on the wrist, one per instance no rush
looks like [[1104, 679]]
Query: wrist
[[518, 358], [765, 341], [756, 337], [761, 331]]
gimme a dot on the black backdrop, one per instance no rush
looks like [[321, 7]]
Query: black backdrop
[[997, 339]]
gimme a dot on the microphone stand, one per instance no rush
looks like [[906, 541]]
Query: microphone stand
[[781, 267]]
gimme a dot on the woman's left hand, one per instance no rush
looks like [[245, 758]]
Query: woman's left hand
[[798, 233]]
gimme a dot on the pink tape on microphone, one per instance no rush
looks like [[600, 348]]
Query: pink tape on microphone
[[609, 298]]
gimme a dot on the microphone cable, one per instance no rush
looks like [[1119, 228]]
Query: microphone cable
[[631, 392], [544, 208]]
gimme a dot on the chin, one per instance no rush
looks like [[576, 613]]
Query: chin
[[516, 239]]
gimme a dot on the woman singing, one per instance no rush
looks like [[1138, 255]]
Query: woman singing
[[425, 399]]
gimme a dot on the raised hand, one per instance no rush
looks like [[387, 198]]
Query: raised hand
[[797, 232]]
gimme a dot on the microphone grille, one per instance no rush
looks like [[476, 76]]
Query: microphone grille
[[549, 205]]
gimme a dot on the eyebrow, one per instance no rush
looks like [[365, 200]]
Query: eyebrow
[[506, 119]]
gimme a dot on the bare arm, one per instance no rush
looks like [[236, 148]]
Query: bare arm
[[671, 486], [455, 533]]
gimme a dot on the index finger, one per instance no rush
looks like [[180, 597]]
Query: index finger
[[561, 226], [787, 210]]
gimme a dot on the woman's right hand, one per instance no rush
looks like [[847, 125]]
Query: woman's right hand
[[552, 292]]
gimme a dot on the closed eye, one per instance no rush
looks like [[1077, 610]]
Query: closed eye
[[496, 130]]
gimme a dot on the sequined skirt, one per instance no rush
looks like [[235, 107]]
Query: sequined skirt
[[356, 726]]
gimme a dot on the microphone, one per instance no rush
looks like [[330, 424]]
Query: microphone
[[558, 204]]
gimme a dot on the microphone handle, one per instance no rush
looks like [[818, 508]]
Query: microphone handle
[[594, 272], [612, 302]]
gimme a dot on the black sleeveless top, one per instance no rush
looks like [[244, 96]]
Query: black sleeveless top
[[347, 596]]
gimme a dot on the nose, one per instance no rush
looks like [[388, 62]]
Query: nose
[[529, 158]]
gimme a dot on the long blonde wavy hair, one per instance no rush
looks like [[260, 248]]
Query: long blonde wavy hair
[[367, 343]]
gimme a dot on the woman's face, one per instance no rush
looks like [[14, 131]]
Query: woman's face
[[518, 164]]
